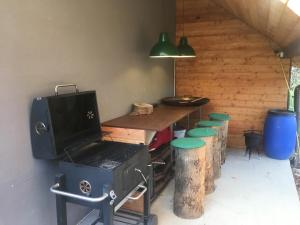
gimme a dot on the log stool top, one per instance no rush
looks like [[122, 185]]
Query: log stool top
[[202, 132], [209, 123], [187, 143], [219, 116]]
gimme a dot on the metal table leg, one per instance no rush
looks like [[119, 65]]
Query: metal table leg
[[107, 213], [108, 209], [146, 203], [61, 204]]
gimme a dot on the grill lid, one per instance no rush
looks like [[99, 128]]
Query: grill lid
[[62, 122]]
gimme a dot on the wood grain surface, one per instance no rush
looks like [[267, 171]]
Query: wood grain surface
[[189, 183], [235, 67], [273, 18], [161, 118]]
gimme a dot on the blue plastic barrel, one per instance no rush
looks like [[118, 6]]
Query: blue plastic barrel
[[280, 134]]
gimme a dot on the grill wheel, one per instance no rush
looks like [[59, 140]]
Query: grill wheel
[[85, 187]]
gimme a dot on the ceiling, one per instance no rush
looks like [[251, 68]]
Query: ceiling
[[273, 18]]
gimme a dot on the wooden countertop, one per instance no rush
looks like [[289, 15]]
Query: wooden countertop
[[162, 117]]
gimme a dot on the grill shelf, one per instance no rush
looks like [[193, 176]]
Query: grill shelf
[[122, 217]]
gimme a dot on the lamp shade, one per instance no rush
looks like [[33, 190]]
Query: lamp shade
[[184, 49], [164, 48]]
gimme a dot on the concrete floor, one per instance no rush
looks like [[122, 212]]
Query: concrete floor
[[256, 192]]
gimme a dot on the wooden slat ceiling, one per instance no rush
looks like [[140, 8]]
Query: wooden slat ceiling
[[273, 18]]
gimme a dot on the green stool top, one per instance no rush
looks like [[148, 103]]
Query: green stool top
[[187, 143], [202, 132], [219, 116], [209, 123]]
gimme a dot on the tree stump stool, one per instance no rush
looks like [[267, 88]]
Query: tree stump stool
[[207, 135], [225, 119], [217, 142], [189, 177]]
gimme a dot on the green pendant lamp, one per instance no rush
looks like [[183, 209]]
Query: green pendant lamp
[[164, 48], [184, 49]]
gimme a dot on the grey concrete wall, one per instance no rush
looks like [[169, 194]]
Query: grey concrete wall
[[100, 45]]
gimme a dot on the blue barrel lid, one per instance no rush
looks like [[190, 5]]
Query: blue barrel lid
[[281, 112]]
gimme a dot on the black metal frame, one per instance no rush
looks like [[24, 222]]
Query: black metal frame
[[107, 210]]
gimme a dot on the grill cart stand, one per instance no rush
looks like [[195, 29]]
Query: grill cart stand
[[107, 200]]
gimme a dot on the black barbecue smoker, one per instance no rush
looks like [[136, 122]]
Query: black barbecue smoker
[[95, 173]]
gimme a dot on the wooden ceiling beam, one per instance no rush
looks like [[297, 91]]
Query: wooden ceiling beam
[[270, 17]]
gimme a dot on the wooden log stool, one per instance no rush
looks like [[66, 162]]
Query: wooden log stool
[[207, 135], [189, 177], [225, 119], [218, 126]]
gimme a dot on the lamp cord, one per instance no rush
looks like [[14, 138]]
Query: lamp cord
[[285, 78], [164, 13], [183, 17], [290, 92]]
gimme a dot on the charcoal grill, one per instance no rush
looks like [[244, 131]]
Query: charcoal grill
[[252, 141], [99, 174]]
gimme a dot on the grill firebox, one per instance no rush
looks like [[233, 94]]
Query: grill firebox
[[94, 173]]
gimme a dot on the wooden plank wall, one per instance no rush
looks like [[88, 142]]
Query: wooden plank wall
[[235, 67]]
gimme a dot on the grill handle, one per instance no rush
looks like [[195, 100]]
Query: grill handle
[[140, 195], [54, 189], [65, 85]]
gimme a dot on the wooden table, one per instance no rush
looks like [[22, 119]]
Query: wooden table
[[162, 117]]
